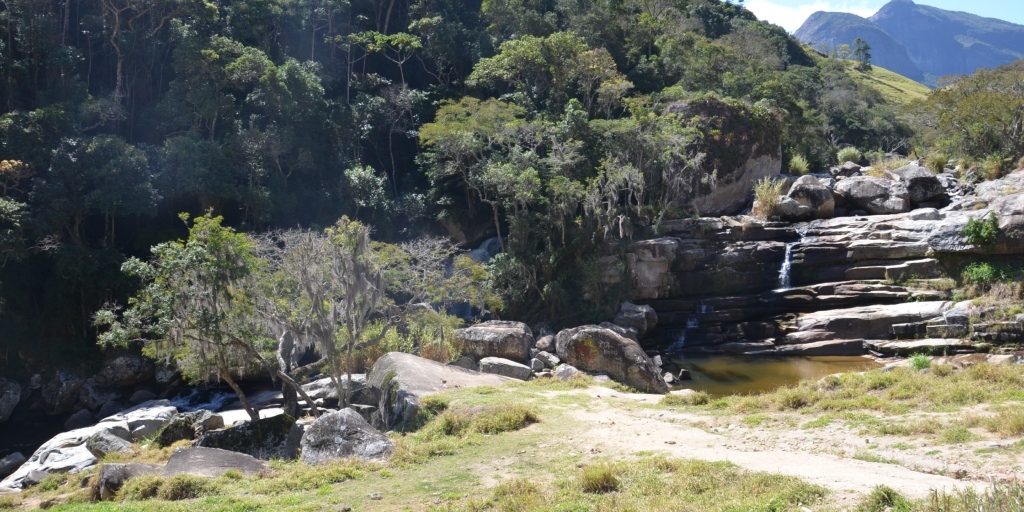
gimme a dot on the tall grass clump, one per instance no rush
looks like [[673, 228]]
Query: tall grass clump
[[767, 194], [850, 154], [798, 165], [885, 499], [920, 362], [999, 498], [679, 400], [599, 478], [453, 428], [937, 162]]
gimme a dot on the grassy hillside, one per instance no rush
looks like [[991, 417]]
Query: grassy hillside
[[896, 89]]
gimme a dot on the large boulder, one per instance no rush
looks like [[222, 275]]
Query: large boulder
[[210, 462], [62, 393], [505, 367], [113, 476], [188, 426], [868, 322], [64, 453], [509, 340], [10, 395], [145, 419], [80, 419], [324, 391], [809, 192], [401, 380], [126, 370], [104, 441], [276, 437], [876, 196], [922, 184], [343, 434], [643, 319], [11, 463], [592, 348]]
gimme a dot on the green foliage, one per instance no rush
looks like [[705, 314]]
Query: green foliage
[[937, 162], [982, 232], [798, 165], [695, 398], [885, 499], [767, 193], [598, 478], [849, 154], [980, 273], [920, 362]]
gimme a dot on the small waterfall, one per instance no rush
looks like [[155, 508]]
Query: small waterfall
[[679, 343], [785, 279], [197, 399]]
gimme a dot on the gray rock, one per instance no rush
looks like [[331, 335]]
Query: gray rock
[[276, 437], [911, 347], [103, 442], [505, 367], [537, 365], [34, 478], [869, 322], [324, 389], [127, 370], [343, 434], [565, 372], [109, 409], [166, 375], [113, 476], [61, 394], [876, 196], [509, 340], [141, 396], [847, 170], [788, 209], [210, 462], [669, 378], [145, 419], [64, 453], [546, 343], [465, 362], [625, 332], [402, 380], [80, 419], [10, 396], [11, 463], [593, 348], [818, 348], [189, 426], [550, 360], [94, 394], [642, 319], [809, 192], [922, 184]]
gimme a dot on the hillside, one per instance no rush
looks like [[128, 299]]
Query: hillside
[[894, 87], [937, 42]]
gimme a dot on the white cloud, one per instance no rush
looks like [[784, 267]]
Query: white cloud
[[791, 17]]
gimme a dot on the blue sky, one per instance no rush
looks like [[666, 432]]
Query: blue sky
[[790, 14]]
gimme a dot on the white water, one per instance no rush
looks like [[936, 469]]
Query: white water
[[785, 279], [198, 399]]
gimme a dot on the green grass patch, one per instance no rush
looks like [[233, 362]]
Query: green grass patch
[[885, 499], [687, 399], [820, 422], [957, 434], [868, 456], [453, 428]]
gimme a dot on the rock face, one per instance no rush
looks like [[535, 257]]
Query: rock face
[[188, 426], [341, 434], [11, 463], [402, 380], [506, 368], [10, 395], [145, 419], [269, 438], [509, 340], [61, 394], [876, 196], [593, 348], [870, 322], [127, 370], [324, 391], [210, 462], [642, 319], [809, 192], [80, 419], [103, 442]]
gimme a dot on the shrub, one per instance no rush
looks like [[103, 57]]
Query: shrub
[[982, 232], [186, 487], [696, 398], [798, 165], [937, 162], [599, 478], [920, 362], [979, 273], [767, 194], [956, 434], [850, 154], [885, 499], [993, 167], [142, 487]]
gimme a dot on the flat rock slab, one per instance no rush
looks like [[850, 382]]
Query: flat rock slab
[[911, 347], [211, 462], [819, 348], [401, 380], [871, 322]]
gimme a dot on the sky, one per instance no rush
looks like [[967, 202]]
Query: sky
[[790, 14]]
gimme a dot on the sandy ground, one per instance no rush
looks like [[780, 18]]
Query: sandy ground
[[820, 456]]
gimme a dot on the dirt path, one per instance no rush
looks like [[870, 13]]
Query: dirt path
[[618, 429]]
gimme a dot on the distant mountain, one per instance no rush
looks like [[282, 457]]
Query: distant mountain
[[919, 41]]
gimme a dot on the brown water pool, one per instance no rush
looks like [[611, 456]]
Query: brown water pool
[[731, 375]]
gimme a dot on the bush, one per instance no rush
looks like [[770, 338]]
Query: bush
[[937, 162], [798, 165], [920, 362], [186, 487], [767, 193], [982, 232], [885, 499], [696, 398], [140, 488], [599, 478], [850, 154], [979, 273]]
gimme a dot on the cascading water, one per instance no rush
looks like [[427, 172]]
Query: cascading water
[[785, 279]]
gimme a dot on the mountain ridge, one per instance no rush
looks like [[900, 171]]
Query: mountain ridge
[[920, 41]]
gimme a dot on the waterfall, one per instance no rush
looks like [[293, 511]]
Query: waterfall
[[785, 279]]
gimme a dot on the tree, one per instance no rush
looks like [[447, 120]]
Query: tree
[[197, 307], [862, 54]]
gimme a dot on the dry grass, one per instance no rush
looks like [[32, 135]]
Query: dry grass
[[767, 194]]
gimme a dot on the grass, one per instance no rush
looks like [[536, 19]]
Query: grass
[[868, 456], [849, 154], [767, 194], [599, 478], [798, 165], [920, 362], [897, 391], [896, 89], [688, 399], [453, 428], [885, 499]]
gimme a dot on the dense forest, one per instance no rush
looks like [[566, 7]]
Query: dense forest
[[542, 122]]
